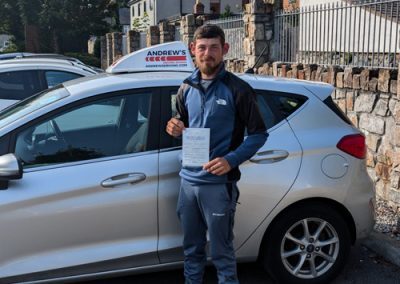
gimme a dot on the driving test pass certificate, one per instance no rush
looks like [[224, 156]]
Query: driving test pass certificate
[[195, 147]]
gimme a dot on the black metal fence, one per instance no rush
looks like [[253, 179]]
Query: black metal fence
[[353, 33], [234, 35]]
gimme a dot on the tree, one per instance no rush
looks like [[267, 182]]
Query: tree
[[227, 13], [140, 24], [64, 25], [10, 22]]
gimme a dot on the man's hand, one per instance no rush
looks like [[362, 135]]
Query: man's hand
[[175, 127], [218, 166]]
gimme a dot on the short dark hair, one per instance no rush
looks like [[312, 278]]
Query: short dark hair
[[209, 31]]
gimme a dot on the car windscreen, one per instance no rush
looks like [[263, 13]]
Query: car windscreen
[[31, 104]]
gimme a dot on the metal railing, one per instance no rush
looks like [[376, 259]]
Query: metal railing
[[353, 33], [234, 35]]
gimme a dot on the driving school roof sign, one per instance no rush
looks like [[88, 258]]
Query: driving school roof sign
[[172, 56]]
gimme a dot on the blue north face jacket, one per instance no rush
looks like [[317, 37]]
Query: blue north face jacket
[[227, 107]]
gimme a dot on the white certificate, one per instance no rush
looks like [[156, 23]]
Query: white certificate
[[195, 147]]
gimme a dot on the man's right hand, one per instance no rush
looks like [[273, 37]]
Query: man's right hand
[[175, 127]]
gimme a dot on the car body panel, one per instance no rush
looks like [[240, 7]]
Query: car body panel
[[93, 218], [139, 222]]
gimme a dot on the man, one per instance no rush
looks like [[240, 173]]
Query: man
[[216, 99]]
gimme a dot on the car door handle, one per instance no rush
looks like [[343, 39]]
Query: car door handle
[[271, 156], [131, 178]]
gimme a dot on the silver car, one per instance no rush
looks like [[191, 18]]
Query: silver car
[[23, 77], [90, 180]]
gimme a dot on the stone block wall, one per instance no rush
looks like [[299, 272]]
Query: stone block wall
[[133, 41], [258, 22], [371, 100]]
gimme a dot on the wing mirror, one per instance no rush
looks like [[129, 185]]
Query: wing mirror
[[10, 169]]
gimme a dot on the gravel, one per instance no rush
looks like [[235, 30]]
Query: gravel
[[387, 219]]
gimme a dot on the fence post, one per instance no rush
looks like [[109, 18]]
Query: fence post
[[167, 32], [116, 46], [110, 55], [258, 23], [103, 52], [153, 35], [188, 27], [133, 41], [398, 81]]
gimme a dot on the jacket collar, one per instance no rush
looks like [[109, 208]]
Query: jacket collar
[[195, 77]]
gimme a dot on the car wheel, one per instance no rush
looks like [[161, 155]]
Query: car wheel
[[307, 245]]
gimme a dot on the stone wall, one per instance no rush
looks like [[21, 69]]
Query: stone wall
[[371, 99], [258, 23]]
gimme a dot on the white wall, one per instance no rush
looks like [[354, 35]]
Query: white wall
[[346, 33]]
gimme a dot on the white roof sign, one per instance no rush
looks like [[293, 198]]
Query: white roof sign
[[171, 56]]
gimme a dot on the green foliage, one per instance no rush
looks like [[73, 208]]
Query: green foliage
[[227, 12], [86, 58], [11, 48], [64, 25], [10, 22], [140, 24]]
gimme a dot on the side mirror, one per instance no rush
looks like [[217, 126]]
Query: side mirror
[[10, 169]]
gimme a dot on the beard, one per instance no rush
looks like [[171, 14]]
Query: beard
[[209, 67]]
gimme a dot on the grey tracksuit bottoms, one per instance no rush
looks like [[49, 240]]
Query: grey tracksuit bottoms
[[208, 207]]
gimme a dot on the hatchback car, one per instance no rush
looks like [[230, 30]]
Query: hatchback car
[[90, 178], [23, 77]]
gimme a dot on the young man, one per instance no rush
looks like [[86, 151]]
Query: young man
[[216, 99]]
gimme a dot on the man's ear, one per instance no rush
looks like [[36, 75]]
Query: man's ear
[[225, 48], [192, 47]]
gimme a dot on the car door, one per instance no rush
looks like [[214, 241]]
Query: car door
[[87, 201], [265, 179], [269, 174], [170, 234]]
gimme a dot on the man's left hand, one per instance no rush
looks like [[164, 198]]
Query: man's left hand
[[218, 166]]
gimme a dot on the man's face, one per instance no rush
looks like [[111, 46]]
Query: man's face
[[209, 53]]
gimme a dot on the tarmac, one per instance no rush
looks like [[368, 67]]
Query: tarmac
[[385, 246]]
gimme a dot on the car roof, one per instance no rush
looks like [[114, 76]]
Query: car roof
[[7, 56], [20, 63], [103, 83]]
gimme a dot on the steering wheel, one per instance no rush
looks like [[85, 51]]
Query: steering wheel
[[57, 132]]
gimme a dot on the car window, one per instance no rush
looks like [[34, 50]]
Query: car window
[[54, 78], [31, 104], [18, 85], [102, 128], [276, 106]]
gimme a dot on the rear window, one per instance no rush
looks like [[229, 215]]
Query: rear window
[[18, 85], [54, 78], [331, 104], [276, 106]]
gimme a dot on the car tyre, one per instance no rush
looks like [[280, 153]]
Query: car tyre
[[308, 244]]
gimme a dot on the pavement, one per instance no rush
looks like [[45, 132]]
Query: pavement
[[385, 246]]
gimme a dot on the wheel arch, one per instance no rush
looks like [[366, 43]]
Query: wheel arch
[[340, 208]]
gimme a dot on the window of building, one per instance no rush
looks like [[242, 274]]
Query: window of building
[[145, 6], [138, 10], [133, 11]]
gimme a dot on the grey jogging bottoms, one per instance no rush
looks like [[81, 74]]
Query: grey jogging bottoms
[[208, 207]]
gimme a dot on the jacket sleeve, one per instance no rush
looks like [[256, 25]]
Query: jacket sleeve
[[182, 113], [249, 117]]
